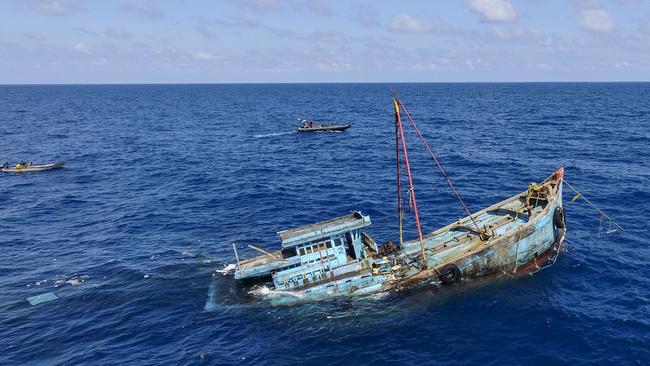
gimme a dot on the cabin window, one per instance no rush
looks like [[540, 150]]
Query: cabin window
[[309, 250], [302, 251], [329, 244], [338, 242], [289, 252]]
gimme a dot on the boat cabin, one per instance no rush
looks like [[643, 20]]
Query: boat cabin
[[324, 249], [313, 253]]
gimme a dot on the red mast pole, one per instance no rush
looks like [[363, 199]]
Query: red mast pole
[[398, 121], [400, 211]]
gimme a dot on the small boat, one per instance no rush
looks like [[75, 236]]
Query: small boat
[[24, 168], [311, 126], [523, 233]]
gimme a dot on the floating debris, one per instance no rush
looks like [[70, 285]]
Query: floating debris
[[38, 299]]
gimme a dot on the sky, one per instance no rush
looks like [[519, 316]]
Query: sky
[[267, 41]]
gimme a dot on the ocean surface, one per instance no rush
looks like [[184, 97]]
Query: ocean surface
[[160, 180]]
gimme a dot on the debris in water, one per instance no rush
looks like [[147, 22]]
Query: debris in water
[[77, 280], [227, 269], [35, 300]]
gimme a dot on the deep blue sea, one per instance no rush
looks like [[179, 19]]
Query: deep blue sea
[[161, 180]]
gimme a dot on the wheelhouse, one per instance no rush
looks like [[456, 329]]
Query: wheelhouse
[[324, 250]]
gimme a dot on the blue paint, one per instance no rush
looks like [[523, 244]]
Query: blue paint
[[162, 179]]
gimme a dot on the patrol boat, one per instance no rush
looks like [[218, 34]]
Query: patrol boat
[[312, 126], [334, 258]]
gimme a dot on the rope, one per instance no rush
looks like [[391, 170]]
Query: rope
[[593, 206], [442, 171]]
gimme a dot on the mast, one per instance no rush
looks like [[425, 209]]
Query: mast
[[398, 122], [400, 210]]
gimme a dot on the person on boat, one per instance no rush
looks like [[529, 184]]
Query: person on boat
[[21, 164], [30, 163]]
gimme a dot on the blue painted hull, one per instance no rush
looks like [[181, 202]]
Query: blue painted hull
[[522, 238]]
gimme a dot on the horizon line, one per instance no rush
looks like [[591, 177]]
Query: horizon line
[[335, 83]]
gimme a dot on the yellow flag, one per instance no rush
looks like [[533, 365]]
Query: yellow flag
[[576, 197]]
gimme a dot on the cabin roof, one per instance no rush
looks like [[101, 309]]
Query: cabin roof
[[296, 236]]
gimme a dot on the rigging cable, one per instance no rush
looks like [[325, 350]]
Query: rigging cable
[[580, 195], [441, 169]]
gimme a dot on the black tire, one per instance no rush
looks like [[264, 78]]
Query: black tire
[[558, 218], [449, 274]]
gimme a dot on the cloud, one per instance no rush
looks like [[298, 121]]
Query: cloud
[[257, 6], [407, 24], [367, 15], [207, 55], [53, 7], [595, 20], [317, 7], [206, 32], [117, 33], [494, 10], [526, 35], [85, 31], [622, 65], [81, 47], [34, 36], [147, 10]]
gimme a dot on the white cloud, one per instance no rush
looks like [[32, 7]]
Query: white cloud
[[494, 10], [207, 55], [334, 66], [595, 20], [81, 47], [319, 8], [407, 24], [622, 65], [147, 10], [522, 35], [53, 7]]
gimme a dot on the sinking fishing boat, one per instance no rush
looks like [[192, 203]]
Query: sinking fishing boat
[[311, 126], [25, 168], [336, 258]]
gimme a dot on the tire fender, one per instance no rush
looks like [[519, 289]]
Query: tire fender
[[558, 218], [449, 274]]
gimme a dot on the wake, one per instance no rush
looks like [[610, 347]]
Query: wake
[[274, 134]]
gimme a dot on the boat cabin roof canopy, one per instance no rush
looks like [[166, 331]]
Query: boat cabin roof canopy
[[339, 225]]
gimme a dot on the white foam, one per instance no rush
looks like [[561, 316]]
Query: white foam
[[274, 134]]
